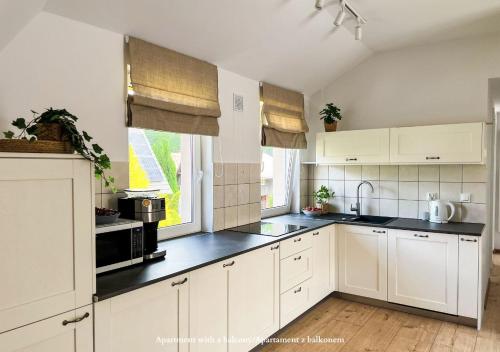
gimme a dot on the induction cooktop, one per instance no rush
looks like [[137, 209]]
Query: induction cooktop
[[268, 228]]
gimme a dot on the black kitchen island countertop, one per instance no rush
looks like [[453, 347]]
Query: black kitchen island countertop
[[194, 251]]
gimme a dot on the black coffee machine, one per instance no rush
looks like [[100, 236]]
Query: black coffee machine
[[150, 210]]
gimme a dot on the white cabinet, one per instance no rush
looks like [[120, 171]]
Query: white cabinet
[[234, 299], [440, 144], [363, 261], [53, 334], [468, 276], [295, 269], [294, 302], [353, 147], [320, 281], [295, 245], [46, 264], [334, 285], [423, 270], [153, 318]]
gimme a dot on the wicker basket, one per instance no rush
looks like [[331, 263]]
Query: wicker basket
[[25, 146], [331, 127], [49, 132]]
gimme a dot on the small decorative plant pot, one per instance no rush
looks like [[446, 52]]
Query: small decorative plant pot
[[49, 132], [331, 127], [324, 208]]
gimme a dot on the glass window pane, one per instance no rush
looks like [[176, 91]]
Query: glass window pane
[[163, 160], [275, 176]]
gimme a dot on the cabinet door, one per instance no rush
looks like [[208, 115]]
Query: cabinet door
[[253, 297], [47, 228], [334, 286], [456, 143], [153, 318], [363, 261], [208, 297], [353, 147], [423, 270], [50, 335], [320, 281], [468, 276], [294, 302], [295, 269]]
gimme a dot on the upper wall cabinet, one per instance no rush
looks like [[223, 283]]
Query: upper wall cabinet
[[353, 147], [440, 144]]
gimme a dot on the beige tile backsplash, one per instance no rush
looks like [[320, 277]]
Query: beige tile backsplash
[[104, 197], [400, 190], [239, 186]]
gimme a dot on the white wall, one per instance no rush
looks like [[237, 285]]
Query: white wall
[[432, 84]]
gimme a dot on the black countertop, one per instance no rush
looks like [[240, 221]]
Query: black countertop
[[191, 252]]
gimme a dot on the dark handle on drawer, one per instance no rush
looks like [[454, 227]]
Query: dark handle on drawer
[[316, 233], [297, 239], [377, 231], [275, 247], [351, 159], [228, 264], [298, 290], [76, 320], [432, 158], [298, 258], [180, 282], [467, 240], [422, 236]]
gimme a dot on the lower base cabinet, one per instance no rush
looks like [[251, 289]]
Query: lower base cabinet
[[53, 335], [468, 276], [153, 318], [320, 280], [294, 302], [423, 270]]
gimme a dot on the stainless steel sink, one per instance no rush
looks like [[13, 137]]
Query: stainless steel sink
[[369, 219]]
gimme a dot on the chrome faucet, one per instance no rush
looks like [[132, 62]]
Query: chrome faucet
[[357, 209]]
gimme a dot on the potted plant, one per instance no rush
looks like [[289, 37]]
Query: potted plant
[[322, 196], [330, 115], [59, 125]]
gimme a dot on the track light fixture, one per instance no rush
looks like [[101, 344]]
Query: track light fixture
[[340, 16], [319, 4], [359, 31]]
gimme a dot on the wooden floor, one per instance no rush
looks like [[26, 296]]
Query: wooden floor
[[369, 329]]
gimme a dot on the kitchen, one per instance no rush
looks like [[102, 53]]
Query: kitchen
[[232, 259]]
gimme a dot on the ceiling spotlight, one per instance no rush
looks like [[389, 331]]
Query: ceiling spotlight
[[319, 4], [340, 17], [359, 31]]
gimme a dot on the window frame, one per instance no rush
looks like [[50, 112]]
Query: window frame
[[283, 209]]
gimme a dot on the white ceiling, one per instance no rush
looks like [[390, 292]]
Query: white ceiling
[[286, 42]]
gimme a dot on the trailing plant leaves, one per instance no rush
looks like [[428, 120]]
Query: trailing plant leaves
[[19, 123], [86, 136], [31, 129], [97, 148], [8, 134]]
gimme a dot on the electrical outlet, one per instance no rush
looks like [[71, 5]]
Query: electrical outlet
[[465, 197]]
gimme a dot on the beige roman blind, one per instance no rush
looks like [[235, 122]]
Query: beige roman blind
[[169, 91], [283, 121]]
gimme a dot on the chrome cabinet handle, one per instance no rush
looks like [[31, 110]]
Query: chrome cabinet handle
[[297, 239], [316, 233], [351, 159], [298, 290], [467, 240], [228, 264], [432, 158], [180, 282], [275, 247], [421, 236], [76, 320], [377, 231], [298, 258]]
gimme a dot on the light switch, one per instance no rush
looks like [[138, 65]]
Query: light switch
[[465, 197]]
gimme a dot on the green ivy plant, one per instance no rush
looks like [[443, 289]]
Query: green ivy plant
[[322, 195], [81, 141], [330, 113]]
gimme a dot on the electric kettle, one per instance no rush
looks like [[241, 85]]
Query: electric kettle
[[438, 210]]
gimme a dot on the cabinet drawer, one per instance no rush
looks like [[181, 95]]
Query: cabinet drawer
[[293, 303], [295, 244], [295, 269]]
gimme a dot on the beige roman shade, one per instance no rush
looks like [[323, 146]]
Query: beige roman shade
[[283, 121], [169, 91]]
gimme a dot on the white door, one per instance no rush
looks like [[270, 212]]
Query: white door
[[56, 334], [334, 286], [153, 318], [423, 270], [363, 261], [320, 281], [208, 311], [253, 297], [468, 276], [455, 143], [353, 147], [46, 214]]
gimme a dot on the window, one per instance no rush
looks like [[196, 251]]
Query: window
[[276, 171], [169, 162]]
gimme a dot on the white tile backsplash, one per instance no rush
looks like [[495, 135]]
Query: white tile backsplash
[[450, 191], [427, 187], [428, 173], [450, 173], [336, 204], [408, 190], [408, 209], [475, 173], [351, 188], [389, 189], [473, 212], [366, 191], [389, 173], [389, 207], [337, 187], [477, 191], [408, 173], [370, 206], [353, 172], [370, 172], [321, 172], [336, 172]]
